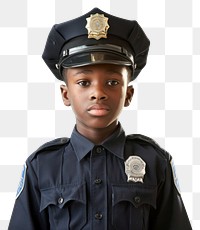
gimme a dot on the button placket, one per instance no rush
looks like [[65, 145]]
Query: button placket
[[98, 188]]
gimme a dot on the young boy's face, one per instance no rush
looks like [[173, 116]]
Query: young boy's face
[[97, 94]]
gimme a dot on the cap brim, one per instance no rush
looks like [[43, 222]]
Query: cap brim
[[91, 58]]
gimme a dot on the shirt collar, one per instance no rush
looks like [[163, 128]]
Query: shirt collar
[[80, 144], [114, 143]]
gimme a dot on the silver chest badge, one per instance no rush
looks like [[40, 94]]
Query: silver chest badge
[[135, 169]]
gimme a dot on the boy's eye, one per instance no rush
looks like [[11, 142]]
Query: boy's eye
[[84, 83], [113, 82]]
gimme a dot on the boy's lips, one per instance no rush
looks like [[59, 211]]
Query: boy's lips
[[98, 110]]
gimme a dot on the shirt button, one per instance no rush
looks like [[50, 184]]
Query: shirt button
[[98, 216], [63, 140], [60, 200], [97, 181], [99, 150], [137, 199]]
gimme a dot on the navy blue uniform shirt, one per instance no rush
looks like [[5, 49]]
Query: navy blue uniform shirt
[[74, 184]]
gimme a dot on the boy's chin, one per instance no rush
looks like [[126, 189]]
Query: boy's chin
[[100, 123]]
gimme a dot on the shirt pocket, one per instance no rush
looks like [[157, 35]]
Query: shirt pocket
[[66, 207], [131, 204]]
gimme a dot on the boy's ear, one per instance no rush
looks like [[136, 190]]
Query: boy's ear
[[129, 95], [64, 93]]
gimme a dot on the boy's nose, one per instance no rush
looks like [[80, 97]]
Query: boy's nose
[[98, 94]]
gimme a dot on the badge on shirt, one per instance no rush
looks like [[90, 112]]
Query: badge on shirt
[[135, 169], [22, 181], [175, 176]]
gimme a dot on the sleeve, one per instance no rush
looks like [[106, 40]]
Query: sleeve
[[26, 212], [170, 212]]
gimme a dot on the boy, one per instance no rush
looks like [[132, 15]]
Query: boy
[[99, 178]]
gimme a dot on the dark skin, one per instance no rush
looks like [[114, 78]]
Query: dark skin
[[97, 95]]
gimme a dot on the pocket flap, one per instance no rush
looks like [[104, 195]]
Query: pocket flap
[[60, 196], [135, 194]]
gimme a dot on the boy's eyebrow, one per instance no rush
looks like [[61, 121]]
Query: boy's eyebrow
[[108, 70]]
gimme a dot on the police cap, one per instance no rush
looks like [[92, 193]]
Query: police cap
[[96, 38]]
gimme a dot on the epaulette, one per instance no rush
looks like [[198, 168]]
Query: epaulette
[[148, 140], [51, 145]]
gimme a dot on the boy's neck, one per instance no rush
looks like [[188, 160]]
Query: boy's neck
[[97, 135]]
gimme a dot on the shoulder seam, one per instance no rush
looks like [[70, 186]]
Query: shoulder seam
[[149, 141], [48, 145]]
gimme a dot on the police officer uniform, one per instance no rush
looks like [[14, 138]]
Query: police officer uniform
[[126, 182]]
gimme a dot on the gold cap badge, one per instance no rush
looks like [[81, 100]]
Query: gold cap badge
[[97, 26]]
